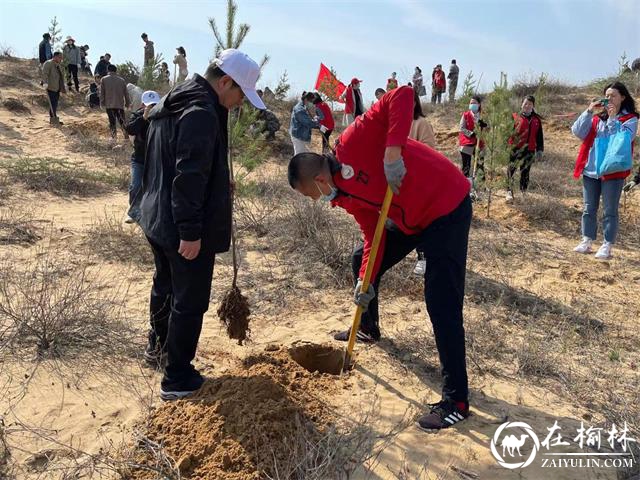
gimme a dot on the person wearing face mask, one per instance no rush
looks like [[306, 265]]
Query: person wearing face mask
[[185, 208], [470, 125], [526, 143], [618, 115], [353, 105], [302, 123], [430, 210]]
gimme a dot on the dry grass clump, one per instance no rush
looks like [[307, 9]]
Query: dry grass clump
[[62, 178], [114, 240], [317, 241], [17, 227], [16, 106]]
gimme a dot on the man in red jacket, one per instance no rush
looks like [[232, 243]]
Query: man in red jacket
[[431, 209]]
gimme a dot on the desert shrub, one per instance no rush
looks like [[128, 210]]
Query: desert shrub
[[313, 236], [59, 310], [530, 84], [6, 51], [63, 178]]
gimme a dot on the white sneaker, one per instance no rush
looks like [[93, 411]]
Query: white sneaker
[[420, 268], [128, 219], [584, 246], [604, 252], [509, 196]]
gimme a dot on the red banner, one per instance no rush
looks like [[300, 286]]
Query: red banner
[[328, 84]]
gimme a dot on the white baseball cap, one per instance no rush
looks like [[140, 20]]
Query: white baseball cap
[[150, 97], [244, 71]]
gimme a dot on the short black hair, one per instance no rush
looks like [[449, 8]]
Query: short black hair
[[214, 72], [107, 54], [531, 98], [304, 166], [57, 53], [380, 90], [453, 61], [112, 68], [46, 36], [144, 35]]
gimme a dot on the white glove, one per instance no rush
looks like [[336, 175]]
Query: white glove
[[323, 129], [629, 186], [46, 86]]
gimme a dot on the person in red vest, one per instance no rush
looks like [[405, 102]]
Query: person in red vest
[[325, 119], [353, 103], [470, 127], [392, 83], [526, 143], [617, 114], [430, 210], [438, 84]]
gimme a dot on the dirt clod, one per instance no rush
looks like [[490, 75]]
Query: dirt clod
[[234, 312]]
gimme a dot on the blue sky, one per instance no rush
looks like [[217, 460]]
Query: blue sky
[[573, 40]]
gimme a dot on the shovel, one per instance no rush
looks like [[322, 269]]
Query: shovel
[[346, 364]]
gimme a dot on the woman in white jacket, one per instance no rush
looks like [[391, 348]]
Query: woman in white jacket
[[181, 61]]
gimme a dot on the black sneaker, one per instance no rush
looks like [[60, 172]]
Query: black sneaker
[[443, 414], [170, 390], [361, 336]]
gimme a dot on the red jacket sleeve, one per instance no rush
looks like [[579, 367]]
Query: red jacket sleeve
[[400, 116], [368, 219]]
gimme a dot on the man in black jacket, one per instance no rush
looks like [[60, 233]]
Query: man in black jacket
[[102, 66], [186, 209]]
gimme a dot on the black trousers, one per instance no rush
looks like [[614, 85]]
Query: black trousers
[[525, 158], [325, 140], [467, 160], [72, 71], [54, 97], [179, 299], [444, 244], [116, 115]]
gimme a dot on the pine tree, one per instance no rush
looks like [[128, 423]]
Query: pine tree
[[233, 36], [283, 87], [56, 34], [497, 111]]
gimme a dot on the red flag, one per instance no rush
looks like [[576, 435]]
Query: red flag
[[328, 84]]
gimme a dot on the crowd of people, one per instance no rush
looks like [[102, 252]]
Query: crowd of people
[[181, 193]]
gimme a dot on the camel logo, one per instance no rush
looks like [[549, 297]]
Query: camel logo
[[511, 445]]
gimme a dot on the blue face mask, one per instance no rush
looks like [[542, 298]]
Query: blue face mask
[[331, 196], [474, 107]]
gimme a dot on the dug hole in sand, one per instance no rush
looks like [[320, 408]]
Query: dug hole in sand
[[252, 421]]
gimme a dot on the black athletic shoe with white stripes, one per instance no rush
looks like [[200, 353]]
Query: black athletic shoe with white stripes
[[443, 414]]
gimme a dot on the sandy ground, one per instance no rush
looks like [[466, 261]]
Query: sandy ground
[[98, 410]]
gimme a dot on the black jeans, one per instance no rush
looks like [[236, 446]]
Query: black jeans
[[444, 244], [53, 98], [115, 115], [526, 161], [325, 140], [72, 71], [467, 160], [179, 299]]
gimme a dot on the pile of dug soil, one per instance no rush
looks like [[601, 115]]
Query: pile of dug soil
[[240, 424]]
